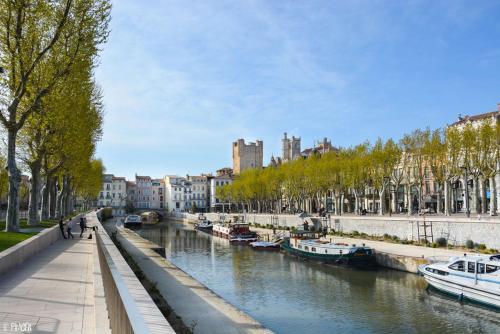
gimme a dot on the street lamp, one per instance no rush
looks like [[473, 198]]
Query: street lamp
[[464, 168]]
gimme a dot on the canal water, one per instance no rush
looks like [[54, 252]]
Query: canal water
[[288, 295]]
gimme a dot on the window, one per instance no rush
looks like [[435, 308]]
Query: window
[[306, 248], [300, 247], [313, 249], [459, 265], [491, 269], [480, 268], [471, 266], [326, 251]]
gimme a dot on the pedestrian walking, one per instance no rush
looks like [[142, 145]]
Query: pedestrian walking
[[82, 226], [61, 226], [69, 227]]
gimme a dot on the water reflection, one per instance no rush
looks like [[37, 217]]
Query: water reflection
[[292, 296]]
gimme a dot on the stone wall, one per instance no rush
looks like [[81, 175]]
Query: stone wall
[[456, 230]]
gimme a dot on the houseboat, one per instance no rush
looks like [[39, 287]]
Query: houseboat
[[307, 245], [149, 217], [203, 224], [475, 278], [238, 232]]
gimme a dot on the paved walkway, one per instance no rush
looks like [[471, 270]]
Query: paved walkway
[[53, 292]]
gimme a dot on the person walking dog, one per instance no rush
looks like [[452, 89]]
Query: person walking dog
[[61, 226]]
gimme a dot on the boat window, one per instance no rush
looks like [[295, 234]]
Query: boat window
[[313, 249], [300, 246], [306, 248], [491, 269], [480, 268], [326, 251], [470, 267], [459, 265]]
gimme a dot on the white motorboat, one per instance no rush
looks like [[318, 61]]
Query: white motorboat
[[472, 277]]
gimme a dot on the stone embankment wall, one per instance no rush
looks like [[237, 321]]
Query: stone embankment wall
[[456, 230]]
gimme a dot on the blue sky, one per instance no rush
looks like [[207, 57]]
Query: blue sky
[[183, 79]]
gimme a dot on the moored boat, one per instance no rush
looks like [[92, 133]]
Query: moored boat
[[236, 232], [267, 245], [307, 245], [474, 277], [203, 224], [132, 220]]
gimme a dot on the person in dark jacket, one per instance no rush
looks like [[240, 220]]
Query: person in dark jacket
[[61, 226], [82, 226]]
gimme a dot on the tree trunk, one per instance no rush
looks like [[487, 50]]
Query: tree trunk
[[337, 203], [493, 201], [381, 198], [35, 168], [447, 198], [484, 201], [341, 204], [53, 199], [475, 196], [409, 200], [439, 196], [12, 219], [45, 198], [356, 203]]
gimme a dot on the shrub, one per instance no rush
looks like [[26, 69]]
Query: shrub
[[481, 246], [355, 233], [441, 242], [493, 251], [469, 244], [395, 238], [386, 236], [434, 245]]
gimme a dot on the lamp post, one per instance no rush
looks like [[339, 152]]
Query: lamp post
[[467, 211]]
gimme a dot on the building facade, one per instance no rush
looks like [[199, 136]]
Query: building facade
[[199, 187], [144, 192], [216, 204], [158, 194], [247, 156]]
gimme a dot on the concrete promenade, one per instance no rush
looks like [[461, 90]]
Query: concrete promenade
[[53, 291]]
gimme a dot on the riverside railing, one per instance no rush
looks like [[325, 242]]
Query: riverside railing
[[130, 308]]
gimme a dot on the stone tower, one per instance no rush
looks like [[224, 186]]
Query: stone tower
[[290, 148], [247, 156]]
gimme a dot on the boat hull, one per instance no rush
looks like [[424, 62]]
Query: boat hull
[[206, 229], [344, 259], [461, 291]]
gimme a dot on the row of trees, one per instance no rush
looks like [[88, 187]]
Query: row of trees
[[51, 111], [380, 170]]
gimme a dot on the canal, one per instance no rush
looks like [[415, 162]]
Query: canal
[[288, 295]]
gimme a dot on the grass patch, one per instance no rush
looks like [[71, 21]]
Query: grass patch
[[9, 239], [24, 224]]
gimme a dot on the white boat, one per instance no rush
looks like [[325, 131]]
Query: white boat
[[133, 220], [203, 224], [473, 277]]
